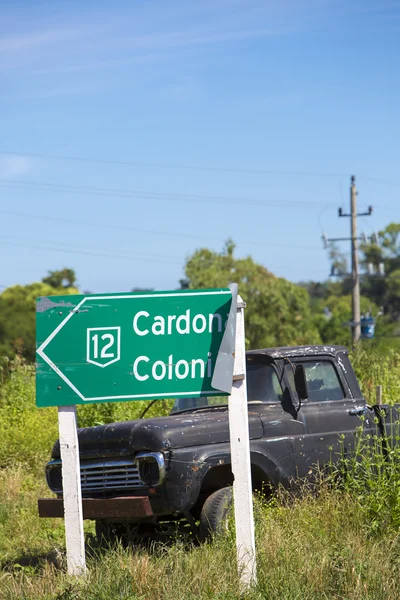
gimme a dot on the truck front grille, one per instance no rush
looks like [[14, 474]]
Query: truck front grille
[[99, 476]]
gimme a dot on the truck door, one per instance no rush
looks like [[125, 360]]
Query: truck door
[[331, 414], [274, 406]]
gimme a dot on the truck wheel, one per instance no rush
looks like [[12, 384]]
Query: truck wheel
[[215, 513]]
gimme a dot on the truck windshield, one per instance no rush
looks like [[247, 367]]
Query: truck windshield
[[262, 387]]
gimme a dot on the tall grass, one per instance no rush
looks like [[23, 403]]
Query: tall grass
[[338, 541], [371, 475], [310, 549], [376, 366]]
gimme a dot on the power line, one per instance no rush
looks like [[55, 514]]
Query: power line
[[41, 246], [378, 180], [150, 258], [170, 197], [239, 170], [130, 163], [147, 231], [102, 251], [390, 214]]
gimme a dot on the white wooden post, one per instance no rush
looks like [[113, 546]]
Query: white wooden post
[[240, 459], [72, 494], [379, 394]]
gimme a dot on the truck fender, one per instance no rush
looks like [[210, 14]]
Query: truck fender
[[264, 469]]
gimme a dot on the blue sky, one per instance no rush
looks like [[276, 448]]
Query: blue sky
[[134, 132]]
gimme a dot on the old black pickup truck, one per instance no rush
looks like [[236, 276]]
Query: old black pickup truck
[[146, 474]]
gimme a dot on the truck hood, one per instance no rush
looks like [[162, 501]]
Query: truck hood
[[162, 433]]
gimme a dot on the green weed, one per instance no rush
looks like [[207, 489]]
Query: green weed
[[335, 542], [371, 475], [376, 366]]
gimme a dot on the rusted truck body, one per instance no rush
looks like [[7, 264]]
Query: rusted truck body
[[145, 474]]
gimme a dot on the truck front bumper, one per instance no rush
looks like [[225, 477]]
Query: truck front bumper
[[127, 507]]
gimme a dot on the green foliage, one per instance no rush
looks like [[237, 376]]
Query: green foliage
[[392, 293], [65, 278], [27, 434], [372, 475], [374, 366], [337, 259], [17, 317], [384, 291], [338, 543], [22, 533], [390, 240], [378, 291], [111, 412], [313, 548], [334, 329], [278, 311]]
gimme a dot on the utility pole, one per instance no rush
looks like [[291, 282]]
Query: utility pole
[[355, 276]]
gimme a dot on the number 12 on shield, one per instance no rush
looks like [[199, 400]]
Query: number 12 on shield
[[103, 345]]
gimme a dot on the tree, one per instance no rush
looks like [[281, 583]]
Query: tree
[[17, 317], [392, 294], [384, 289], [278, 311], [65, 278], [338, 260], [333, 314]]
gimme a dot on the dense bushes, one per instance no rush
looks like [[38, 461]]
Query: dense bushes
[[28, 433]]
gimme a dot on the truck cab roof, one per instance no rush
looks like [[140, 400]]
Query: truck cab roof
[[298, 351]]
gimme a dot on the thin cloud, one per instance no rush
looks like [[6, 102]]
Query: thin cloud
[[144, 35], [200, 37], [29, 41], [64, 90], [161, 43], [164, 41], [102, 64], [13, 165]]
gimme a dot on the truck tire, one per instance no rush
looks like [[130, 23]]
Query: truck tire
[[215, 513]]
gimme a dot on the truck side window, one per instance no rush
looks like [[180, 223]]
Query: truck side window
[[322, 381], [262, 383]]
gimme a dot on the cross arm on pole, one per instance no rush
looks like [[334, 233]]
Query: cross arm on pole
[[363, 214], [344, 239]]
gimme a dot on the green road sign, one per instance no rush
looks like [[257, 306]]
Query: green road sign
[[139, 346]]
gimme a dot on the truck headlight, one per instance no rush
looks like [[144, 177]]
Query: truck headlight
[[151, 467], [54, 476]]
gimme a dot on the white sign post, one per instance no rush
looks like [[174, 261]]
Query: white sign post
[[240, 459], [72, 494]]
